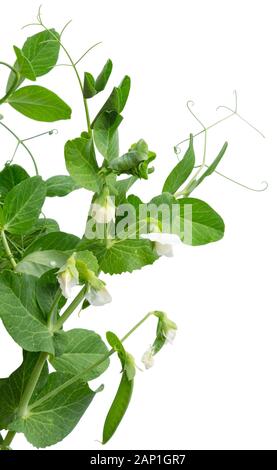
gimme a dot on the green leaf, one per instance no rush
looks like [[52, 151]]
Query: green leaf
[[202, 223], [89, 86], [52, 418], [40, 104], [123, 255], [81, 163], [23, 205], [42, 52], [122, 187], [60, 186], [105, 134], [39, 262], [194, 220], [10, 176], [60, 241], [84, 348], [102, 79], [117, 99], [20, 313], [24, 66], [181, 171], [13, 387], [212, 167]]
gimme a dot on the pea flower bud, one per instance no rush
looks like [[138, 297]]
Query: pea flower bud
[[96, 294], [103, 208], [148, 358], [68, 276]]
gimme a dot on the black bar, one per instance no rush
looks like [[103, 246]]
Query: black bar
[[125, 459]]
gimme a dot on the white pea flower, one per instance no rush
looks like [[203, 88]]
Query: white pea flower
[[163, 242], [98, 297], [103, 208], [68, 276], [148, 358], [170, 335], [169, 329]]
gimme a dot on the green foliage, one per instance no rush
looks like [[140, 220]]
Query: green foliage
[[181, 172], [83, 348], [52, 419], [40, 104], [40, 265], [60, 186], [23, 204], [12, 388]]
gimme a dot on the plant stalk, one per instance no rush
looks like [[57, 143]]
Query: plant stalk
[[7, 249]]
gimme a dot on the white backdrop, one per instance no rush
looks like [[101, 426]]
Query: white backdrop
[[216, 387]]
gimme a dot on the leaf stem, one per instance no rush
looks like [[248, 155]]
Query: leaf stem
[[76, 73], [31, 385], [53, 310], [14, 83], [70, 309], [7, 249], [8, 439]]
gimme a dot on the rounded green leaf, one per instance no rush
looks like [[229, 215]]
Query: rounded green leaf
[[40, 104], [83, 348]]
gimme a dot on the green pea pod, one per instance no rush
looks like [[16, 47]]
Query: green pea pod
[[118, 407]]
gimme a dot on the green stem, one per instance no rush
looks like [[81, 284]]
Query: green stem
[[21, 143], [71, 308], [7, 249], [88, 369], [77, 75], [53, 311], [8, 439], [31, 385], [14, 83]]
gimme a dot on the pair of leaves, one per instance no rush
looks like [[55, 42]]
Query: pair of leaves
[[91, 86], [124, 393], [12, 388], [184, 168], [53, 419], [23, 205], [37, 57], [108, 119]]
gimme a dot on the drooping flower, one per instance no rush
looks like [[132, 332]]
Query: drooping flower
[[98, 297], [103, 208], [96, 294], [68, 276], [163, 242], [148, 358]]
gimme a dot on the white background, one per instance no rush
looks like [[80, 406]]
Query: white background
[[216, 387]]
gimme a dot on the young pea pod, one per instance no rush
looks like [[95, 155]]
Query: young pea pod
[[135, 161], [124, 393]]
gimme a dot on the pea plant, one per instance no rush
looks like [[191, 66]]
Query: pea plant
[[47, 275]]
